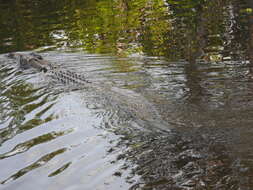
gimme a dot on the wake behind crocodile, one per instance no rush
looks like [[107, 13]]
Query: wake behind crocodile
[[133, 105]]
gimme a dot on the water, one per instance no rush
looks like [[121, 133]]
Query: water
[[169, 105]]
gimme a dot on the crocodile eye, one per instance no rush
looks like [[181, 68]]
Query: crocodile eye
[[36, 56], [44, 69]]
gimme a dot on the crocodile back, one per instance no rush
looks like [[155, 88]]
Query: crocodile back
[[68, 77]]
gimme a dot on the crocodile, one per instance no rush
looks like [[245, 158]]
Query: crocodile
[[36, 61], [140, 109]]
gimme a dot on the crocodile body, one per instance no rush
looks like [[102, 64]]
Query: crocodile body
[[143, 112]]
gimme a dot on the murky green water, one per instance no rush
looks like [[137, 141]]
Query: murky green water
[[169, 104]]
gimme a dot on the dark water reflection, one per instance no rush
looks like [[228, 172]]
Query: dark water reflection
[[187, 63], [213, 30]]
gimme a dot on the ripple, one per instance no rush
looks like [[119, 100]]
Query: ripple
[[61, 169], [108, 131], [39, 163], [23, 147]]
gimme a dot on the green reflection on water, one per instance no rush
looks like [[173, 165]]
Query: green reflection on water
[[39, 163], [175, 29]]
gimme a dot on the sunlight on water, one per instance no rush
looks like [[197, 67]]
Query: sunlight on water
[[44, 131], [50, 130], [143, 95]]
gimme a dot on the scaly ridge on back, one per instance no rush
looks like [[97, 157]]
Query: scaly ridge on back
[[37, 62]]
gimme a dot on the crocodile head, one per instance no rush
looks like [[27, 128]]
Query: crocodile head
[[21, 59], [23, 62], [31, 60], [13, 55]]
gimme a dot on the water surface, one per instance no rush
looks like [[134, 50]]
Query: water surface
[[181, 66]]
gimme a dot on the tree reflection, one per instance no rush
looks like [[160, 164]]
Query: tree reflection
[[211, 30], [250, 51]]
